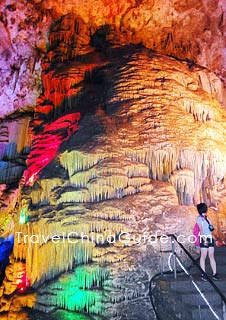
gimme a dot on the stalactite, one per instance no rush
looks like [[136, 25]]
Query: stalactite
[[104, 255], [137, 170], [137, 155], [46, 187], [80, 179], [164, 161], [161, 161], [47, 261], [75, 161], [110, 213], [36, 195], [212, 84], [129, 190], [99, 191], [90, 276], [14, 138], [106, 227], [81, 195], [45, 257], [184, 183], [69, 297], [201, 111]]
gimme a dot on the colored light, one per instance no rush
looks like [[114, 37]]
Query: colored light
[[23, 283], [23, 217], [47, 143]]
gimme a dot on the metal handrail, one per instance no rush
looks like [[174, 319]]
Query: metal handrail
[[200, 269], [151, 297], [196, 287], [220, 293]]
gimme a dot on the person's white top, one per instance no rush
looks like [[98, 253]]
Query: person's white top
[[204, 226]]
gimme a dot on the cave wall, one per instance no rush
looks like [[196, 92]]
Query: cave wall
[[122, 128]]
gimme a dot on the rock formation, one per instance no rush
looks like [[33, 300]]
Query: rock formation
[[113, 128]]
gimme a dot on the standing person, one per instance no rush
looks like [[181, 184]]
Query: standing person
[[206, 241]]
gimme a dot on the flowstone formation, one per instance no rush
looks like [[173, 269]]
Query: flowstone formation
[[139, 153], [187, 30], [123, 142]]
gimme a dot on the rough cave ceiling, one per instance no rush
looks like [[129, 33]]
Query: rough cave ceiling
[[193, 30]]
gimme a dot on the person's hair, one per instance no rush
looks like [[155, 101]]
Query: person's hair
[[202, 208]]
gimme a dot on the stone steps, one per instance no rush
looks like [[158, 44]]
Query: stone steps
[[205, 313], [179, 299]]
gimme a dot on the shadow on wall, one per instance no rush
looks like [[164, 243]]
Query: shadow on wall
[[55, 124], [12, 163]]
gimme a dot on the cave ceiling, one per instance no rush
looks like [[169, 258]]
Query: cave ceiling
[[192, 30]]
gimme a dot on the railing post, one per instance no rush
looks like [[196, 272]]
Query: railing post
[[223, 310], [200, 315], [174, 257], [161, 260]]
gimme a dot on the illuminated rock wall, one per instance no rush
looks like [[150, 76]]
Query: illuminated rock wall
[[186, 30], [122, 142], [127, 168]]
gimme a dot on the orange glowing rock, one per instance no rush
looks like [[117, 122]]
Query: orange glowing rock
[[44, 109]]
